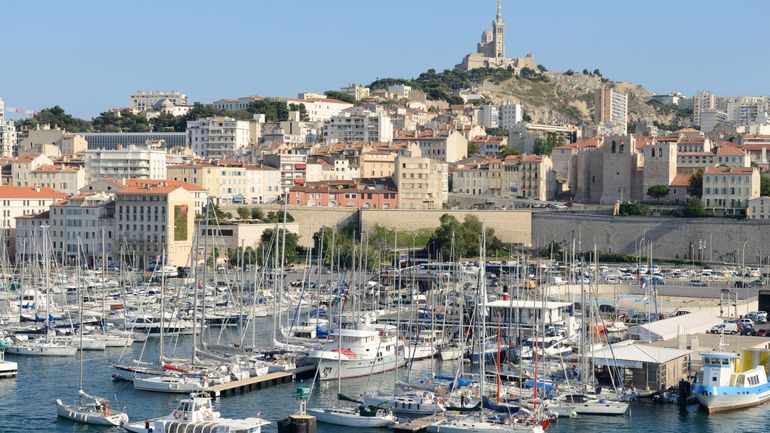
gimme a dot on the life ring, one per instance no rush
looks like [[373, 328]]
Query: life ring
[[177, 415]]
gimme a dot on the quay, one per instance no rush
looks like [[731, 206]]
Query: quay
[[258, 382], [419, 424]]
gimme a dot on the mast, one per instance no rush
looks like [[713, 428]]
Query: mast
[[483, 295], [80, 300], [162, 310]]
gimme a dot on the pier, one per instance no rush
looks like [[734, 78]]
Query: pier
[[418, 424], [258, 382]]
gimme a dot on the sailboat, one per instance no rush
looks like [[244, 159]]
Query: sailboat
[[97, 410], [480, 423], [360, 416]]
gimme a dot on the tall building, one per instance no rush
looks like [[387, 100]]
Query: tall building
[[422, 183], [611, 111], [7, 133], [489, 116], [702, 101], [510, 115], [133, 162], [355, 125], [218, 137]]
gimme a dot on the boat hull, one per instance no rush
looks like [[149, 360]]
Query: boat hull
[[171, 385], [42, 350], [329, 369], [86, 417], [350, 418], [724, 402]]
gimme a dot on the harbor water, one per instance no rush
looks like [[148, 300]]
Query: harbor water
[[27, 403]]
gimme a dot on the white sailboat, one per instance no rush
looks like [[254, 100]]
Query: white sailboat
[[97, 410], [480, 423]]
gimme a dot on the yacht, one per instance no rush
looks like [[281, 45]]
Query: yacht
[[425, 346], [720, 386], [411, 402], [585, 404], [195, 414], [97, 413], [357, 352]]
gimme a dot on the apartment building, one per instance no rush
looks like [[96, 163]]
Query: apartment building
[[8, 137], [358, 125], [115, 140], [443, 146], [22, 166], [422, 183], [358, 193], [357, 91], [331, 169], [154, 224], [85, 219], [537, 178], [292, 168], [758, 208], [702, 101], [231, 182], [64, 178], [490, 145], [377, 163], [510, 115], [133, 162], [218, 137], [727, 190], [17, 201], [145, 101], [611, 111], [112, 186]]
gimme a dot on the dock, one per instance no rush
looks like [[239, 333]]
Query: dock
[[418, 424], [258, 382]]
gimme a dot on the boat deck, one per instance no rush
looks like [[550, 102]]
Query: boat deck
[[418, 424], [258, 382]]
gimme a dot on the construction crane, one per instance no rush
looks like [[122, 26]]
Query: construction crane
[[22, 111]]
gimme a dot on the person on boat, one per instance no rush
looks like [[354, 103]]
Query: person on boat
[[147, 427]]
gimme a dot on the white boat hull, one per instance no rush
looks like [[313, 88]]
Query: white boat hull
[[463, 426], [174, 385], [402, 406], [329, 369], [89, 417], [720, 403], [450, 354], [350, 418], [8, 369], [42, 350]]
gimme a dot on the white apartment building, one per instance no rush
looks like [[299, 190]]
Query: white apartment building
[[144, 101], [19, 201], [357, 125], [746, 109], [445, 146], [22, 166], [86, 219], [7, 133], [231, 183], [709, 120], [358, 91], [510, 114], [727, 190], [702, 101], [489, 116], [758, 209], [337, 169], [133, 162], [321, 109], [291, 166], [218, 137], [64, 178]]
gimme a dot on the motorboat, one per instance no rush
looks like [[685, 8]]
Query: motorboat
[[721, 386], [169, 384], [196, 414]]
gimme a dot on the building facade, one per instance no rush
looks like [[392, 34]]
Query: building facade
[[133, 162], [727, 190], [218, 137]]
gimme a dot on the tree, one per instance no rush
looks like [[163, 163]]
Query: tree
[[333, 94], [658, 191], [508, 150], [545, 146], [270, 245], [597, 73], [634, 208], [243, 212], [541, 68], [166, 122], [467, 236], [499, 132], [526, 117], [277, 217], [693, 208], [123, 121], [764, 186], [473, 148], [696, 184], [201, 111], [215, 214], [303, 115], [569, 72], [455, 100], [55, 117], [257, 214]]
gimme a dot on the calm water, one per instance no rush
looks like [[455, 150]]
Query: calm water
[[27, 402]]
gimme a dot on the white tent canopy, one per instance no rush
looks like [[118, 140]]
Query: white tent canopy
[[693, 323]]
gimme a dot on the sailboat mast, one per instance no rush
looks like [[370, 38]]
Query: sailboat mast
[[80, 313], [162, 309], [482, 315]]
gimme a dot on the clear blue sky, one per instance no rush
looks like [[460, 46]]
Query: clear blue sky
[[88, 56]]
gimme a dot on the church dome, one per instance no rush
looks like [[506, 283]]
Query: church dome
[[486, 36]]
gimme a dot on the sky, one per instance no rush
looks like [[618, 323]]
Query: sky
[[90, 55]]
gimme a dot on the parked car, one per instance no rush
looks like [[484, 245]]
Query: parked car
[[758, 316], [698, 283], [756, 283], [606, 308], [762, 333], [729, 328], [681, 313], [746, 322], [748, 331]]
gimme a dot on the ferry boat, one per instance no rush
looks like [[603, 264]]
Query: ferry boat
[[728, 381]]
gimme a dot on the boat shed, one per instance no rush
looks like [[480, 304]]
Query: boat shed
[[649, 368], [693, 323]]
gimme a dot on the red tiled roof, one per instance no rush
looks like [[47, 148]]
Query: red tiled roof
[[30, 192], [680, 180], [729, 170]]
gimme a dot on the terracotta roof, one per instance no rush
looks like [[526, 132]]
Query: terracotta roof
[[680, 180], [132, 183], [30, 192], [55, 168], [585, 144], [729, 170], [494, 139], [729, 150], [152, 190]]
